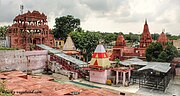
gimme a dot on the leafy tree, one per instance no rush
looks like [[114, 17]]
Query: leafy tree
[[171, 52], [131, 37], [162, 57], [172, 37], [108, 37], [3, 30], [64, 25], [153, 50], [86, 42], [155, 36], [134, 38]]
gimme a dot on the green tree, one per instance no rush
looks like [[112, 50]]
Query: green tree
[[162, 57], [108, 37], [131, 37], [171, 52], [172, 37], [86, 42], [64, 25], [3, 30], [153, 50], [155, 36]]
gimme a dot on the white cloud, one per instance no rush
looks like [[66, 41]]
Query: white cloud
[[103, 15]]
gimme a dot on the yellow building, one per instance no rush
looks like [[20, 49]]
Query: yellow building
[[59, 44], [176, 43]]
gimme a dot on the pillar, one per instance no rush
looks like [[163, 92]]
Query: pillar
[[129, 75], [117, 77], [121, 75], [41, 40], [124, 78]]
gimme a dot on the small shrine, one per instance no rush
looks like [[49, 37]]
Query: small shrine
[[101, 71], [99, 58], [98, 65], [162, 39], [118, 49], [69, 47], [120, 41]]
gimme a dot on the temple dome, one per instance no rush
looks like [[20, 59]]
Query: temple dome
[[99, 58], [120, 41], [162, 38], [69, 45]]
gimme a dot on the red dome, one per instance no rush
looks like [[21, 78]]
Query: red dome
[[120, 41], [162, 38]]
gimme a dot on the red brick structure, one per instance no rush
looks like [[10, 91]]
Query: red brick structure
[[162, 39], [146, 38], [121, 51], [120, 41], [29, 29], [119, 47]]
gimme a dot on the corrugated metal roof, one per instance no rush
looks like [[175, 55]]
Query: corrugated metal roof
[[157, 66], [62, 55], [133, 61]]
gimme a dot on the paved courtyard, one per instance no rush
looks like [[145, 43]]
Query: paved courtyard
[[172, 89]]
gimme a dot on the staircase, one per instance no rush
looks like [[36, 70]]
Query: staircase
[[66, 66]]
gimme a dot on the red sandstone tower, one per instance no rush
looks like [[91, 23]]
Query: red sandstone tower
[[146, 38], [29, 29], [162, 39]]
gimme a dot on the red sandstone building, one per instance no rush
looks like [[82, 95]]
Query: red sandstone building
[[162, 39], [121, 51], [29, 29]]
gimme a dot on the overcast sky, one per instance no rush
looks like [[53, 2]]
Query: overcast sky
[[103, 15]]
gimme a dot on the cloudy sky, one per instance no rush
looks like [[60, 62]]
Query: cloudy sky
[[103, 15]]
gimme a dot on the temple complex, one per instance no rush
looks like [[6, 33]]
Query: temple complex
[[29, 29], [122, 52], [162, 39]]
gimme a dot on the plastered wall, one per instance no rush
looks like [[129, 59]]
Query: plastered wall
[[36, 59], [22, 60], [12, 59], [98, 76]]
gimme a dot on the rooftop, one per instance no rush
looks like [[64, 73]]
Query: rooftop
[[20, 84], [62, 55]]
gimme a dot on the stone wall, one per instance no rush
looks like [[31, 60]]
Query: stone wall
[[37, 60], [23, 60], [13, 60]]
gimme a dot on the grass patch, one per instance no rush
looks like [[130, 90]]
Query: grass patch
[[3, 91], [4, 48], [87, 85]]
